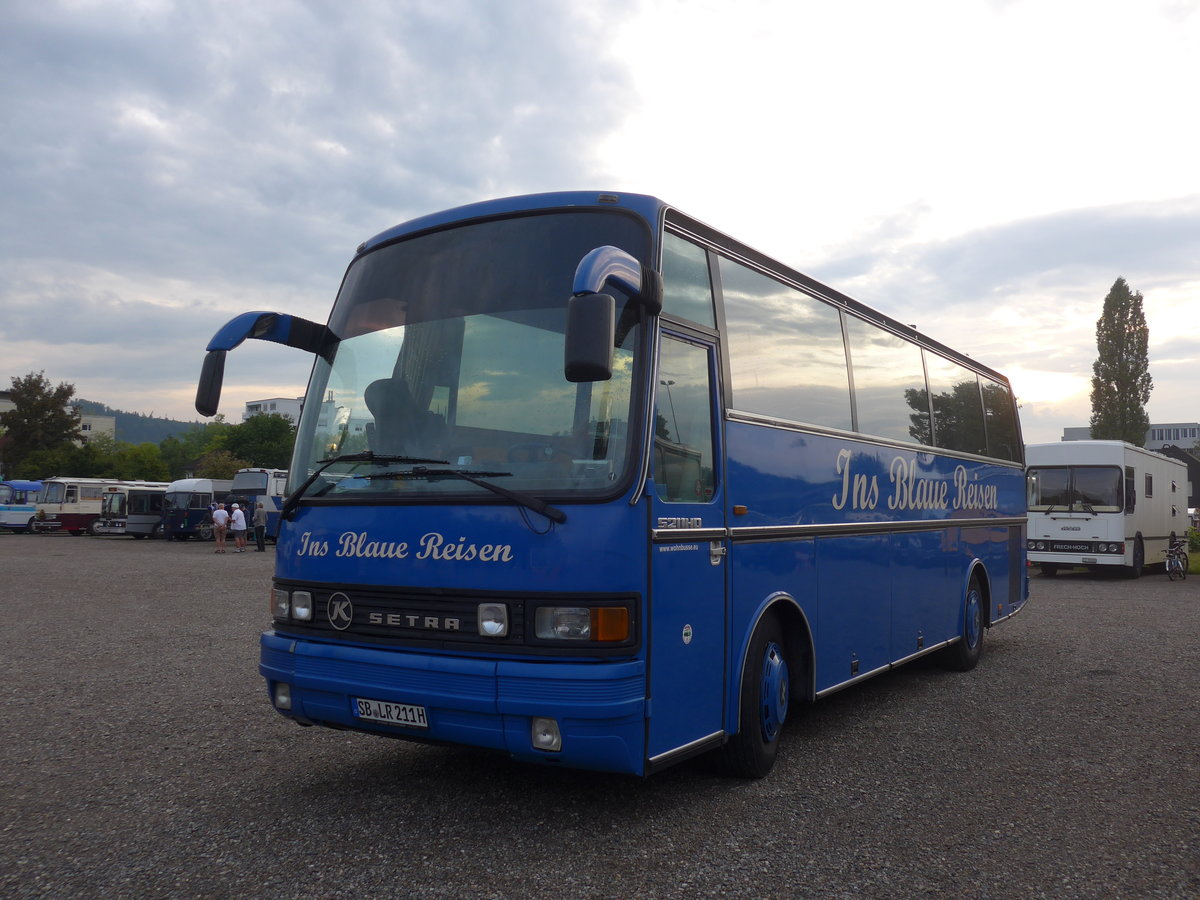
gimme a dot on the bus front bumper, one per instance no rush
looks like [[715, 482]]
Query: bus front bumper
[[598, 707]]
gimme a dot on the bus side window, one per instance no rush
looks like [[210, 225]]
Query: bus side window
[[683, 443]]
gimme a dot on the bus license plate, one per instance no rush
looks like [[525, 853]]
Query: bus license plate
[[391, 713]]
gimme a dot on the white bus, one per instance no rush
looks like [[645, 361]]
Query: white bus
[[1101, 504], [137, 511]]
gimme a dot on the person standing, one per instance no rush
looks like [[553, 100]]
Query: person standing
[[260, 528], [237, 525], [220, 520]]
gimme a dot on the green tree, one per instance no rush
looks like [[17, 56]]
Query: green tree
[[42, 419], [265, 440], [1121, 381], [219, 464], [182, 453]]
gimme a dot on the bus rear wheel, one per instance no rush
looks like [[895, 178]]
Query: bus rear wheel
[[963, 654], [765, 695]]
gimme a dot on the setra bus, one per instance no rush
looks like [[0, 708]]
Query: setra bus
[[18, 504], [186, 510], [136, 511], [1103, 505], [582, 480]]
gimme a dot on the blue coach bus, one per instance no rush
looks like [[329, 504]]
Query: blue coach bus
[[583, 480]]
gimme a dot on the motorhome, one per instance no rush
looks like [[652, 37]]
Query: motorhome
[[1102, 504]]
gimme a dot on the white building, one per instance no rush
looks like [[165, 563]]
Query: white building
[[283, 406], [89, 426], [1177, 434]]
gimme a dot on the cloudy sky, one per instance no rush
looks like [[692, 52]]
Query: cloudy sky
[[983, 169]]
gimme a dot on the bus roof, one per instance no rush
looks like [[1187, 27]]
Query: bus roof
[[656, 211], [19, 485]]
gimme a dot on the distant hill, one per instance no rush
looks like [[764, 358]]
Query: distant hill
[[136, 428]]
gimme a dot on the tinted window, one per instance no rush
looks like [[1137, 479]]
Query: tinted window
[[1000, 417], [889, 383], [687, 291], [957, 407], [787, 358]]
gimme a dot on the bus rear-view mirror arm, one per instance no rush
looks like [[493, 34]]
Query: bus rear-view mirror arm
[[591, 314], [291, 331]]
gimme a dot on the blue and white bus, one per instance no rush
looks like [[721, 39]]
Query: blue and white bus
[[580, 479], [252, 486], [18, 504]]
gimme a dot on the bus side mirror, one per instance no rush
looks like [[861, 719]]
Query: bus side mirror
[[591, 327], [208, 390]]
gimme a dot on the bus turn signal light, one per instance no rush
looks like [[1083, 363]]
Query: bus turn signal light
[[610, 623]]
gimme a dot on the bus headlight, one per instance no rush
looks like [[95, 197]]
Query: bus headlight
[[279, 604], [581, 623], [493, 620], [302, 606]]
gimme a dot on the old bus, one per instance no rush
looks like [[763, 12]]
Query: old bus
[[136, 511], [580, 479], [1103, 504], [18, 504], [187, 507]]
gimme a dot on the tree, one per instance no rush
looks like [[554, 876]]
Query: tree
[[42, 419], [219, 464], [265, 440], [1121, 381]]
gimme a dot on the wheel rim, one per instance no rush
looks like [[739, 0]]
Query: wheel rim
[[974, 618], [773, 692]]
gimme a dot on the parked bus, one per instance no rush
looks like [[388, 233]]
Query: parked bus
[[580, 479], [266, 486], [186, 505], [18, 504], [1103, 504], [71, 504], [136, 511]]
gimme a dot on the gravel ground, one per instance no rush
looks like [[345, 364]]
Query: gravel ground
[[140, 758]]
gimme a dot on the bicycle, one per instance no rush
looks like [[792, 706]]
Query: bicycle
[[1177, 560]]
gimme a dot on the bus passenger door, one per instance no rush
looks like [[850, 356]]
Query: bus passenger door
[[686, 608]]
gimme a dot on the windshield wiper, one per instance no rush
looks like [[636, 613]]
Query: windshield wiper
[[293, 499], [553, 513]]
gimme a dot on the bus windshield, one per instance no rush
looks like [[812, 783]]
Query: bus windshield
[[249, 483], [113, 505], [450, 358], [1075, 489]]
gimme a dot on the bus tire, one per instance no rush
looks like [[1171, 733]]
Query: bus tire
[[1139, 558], [963, 654], [204, 532], [159, 532], [764, 700], [93, 527]]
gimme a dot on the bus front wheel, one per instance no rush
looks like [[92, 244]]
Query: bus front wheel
[[964, 653], [763, 703]]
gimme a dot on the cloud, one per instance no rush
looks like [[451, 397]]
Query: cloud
[[169, 165]]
